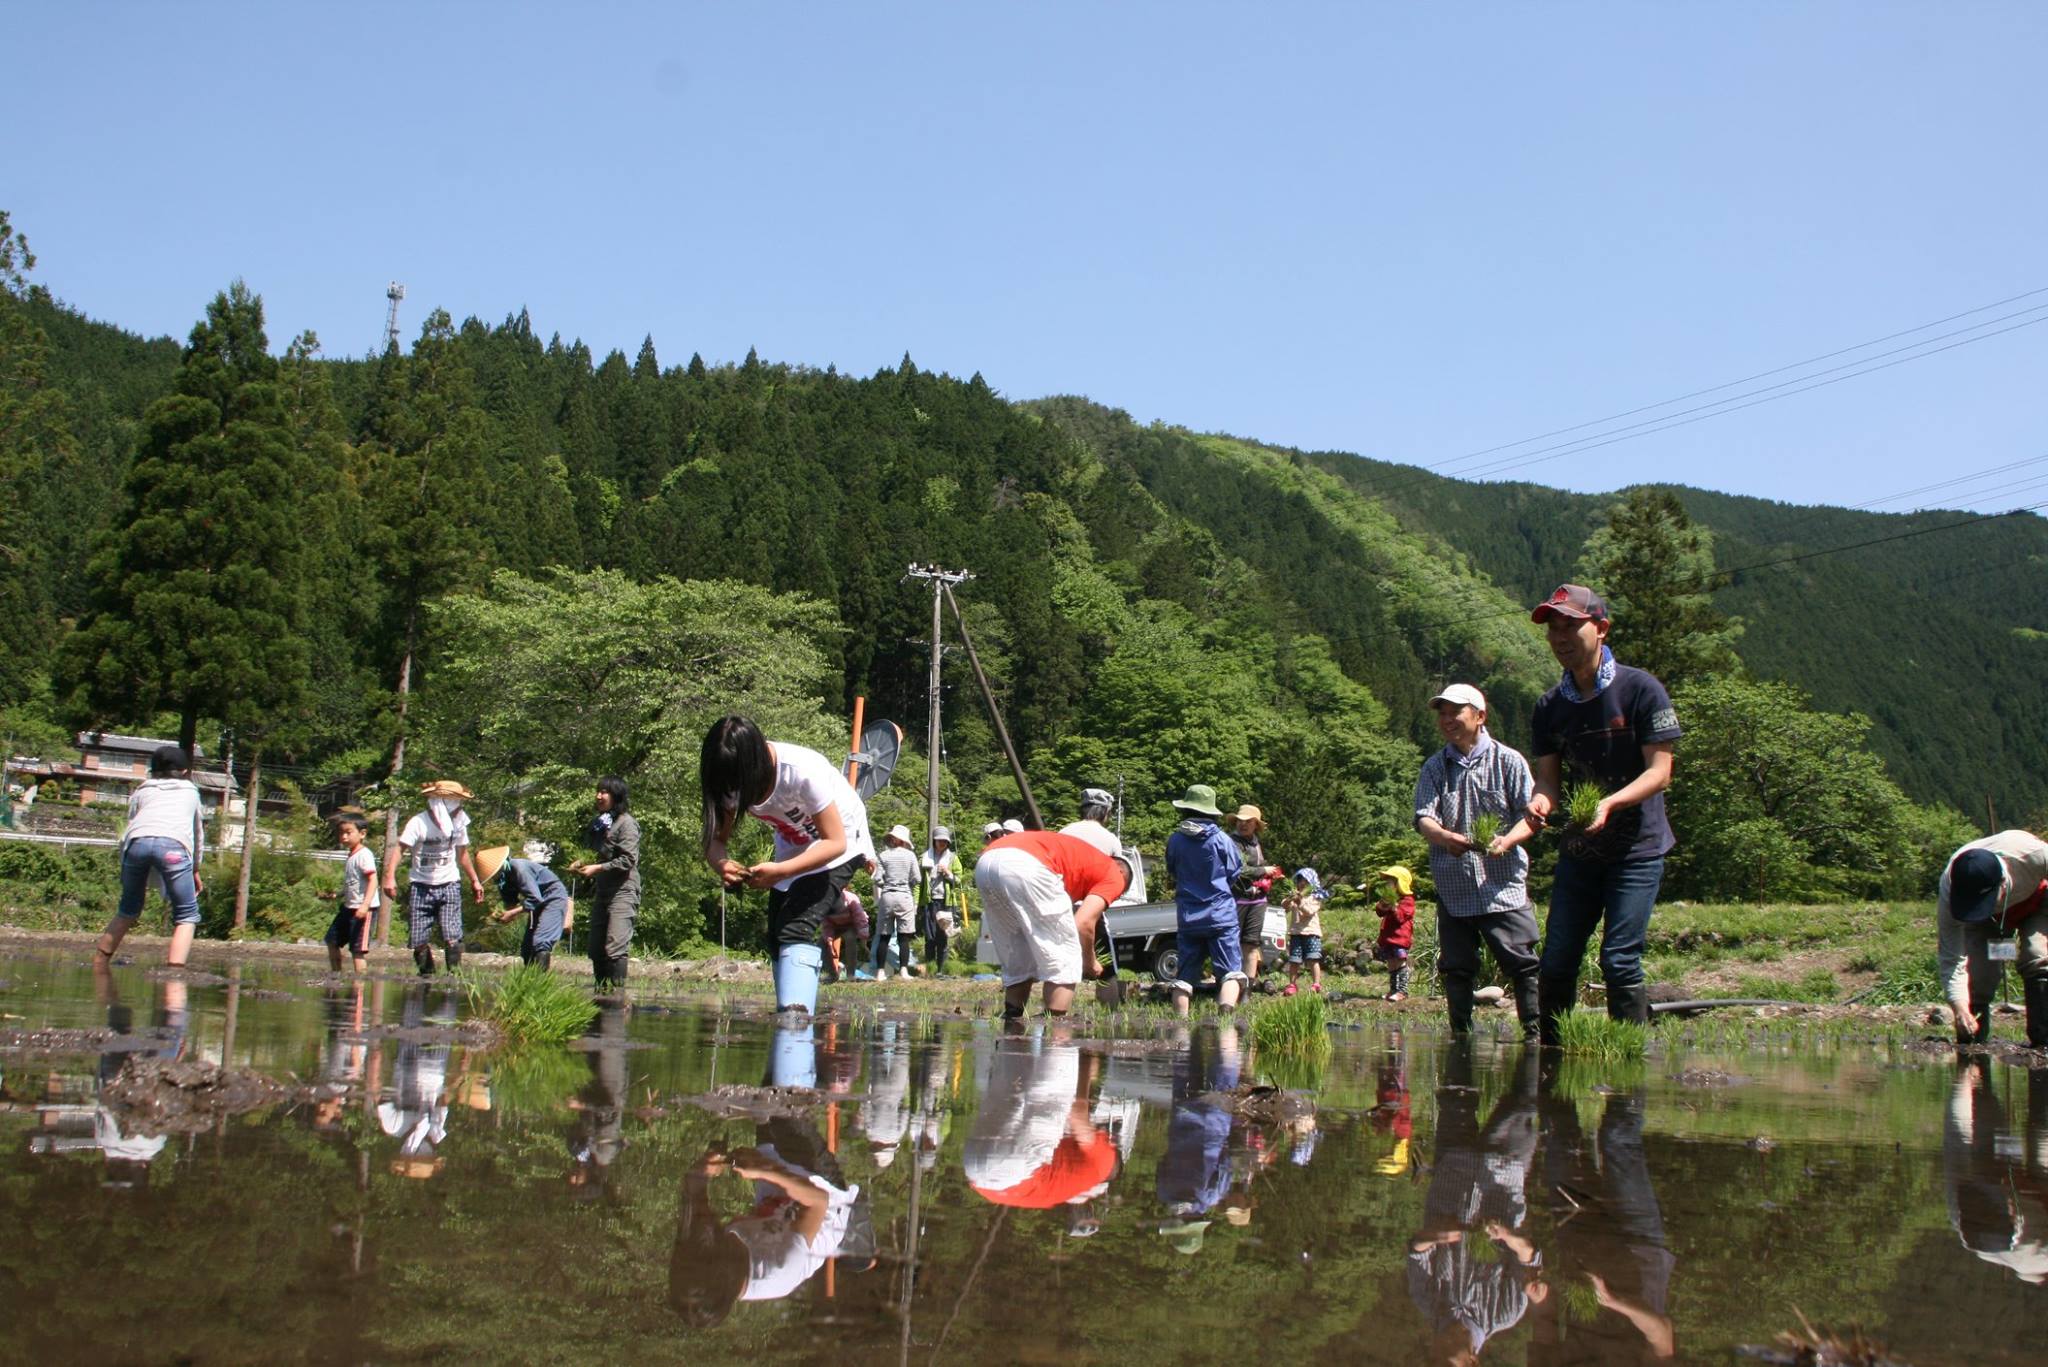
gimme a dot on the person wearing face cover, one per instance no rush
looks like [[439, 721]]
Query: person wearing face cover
[[1996, 1173], [437, 841]]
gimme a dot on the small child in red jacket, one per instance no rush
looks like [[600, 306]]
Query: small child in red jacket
[[1396, 888]]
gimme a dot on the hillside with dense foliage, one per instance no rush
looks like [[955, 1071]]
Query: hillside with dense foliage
[[1155, 606]]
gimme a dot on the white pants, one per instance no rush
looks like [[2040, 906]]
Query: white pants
[[1027, 912]]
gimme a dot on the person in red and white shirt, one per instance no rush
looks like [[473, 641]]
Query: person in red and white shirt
[[1042, 895]]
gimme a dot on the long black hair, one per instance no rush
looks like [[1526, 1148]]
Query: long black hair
[[614, 788], [735, 770]]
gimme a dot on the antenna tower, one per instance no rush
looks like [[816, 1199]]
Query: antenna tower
[[394, 292]]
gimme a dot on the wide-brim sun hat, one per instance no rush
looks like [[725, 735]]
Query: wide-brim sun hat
[[489, 861], [942, 833], [1199, 798], [900, 832], [1247, 812], [445, 787]]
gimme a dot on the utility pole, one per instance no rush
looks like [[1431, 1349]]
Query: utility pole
[[394, 292], [939, 580]]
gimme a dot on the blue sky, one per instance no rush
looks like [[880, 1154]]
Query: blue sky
[[1411, 232]]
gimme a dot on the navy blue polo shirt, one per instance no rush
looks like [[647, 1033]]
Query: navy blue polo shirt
[[1601, 739]]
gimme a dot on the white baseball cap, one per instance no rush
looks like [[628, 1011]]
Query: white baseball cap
[[1464, 695]]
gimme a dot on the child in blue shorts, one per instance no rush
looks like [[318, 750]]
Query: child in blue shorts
[[1305, 931], [1203, 860]]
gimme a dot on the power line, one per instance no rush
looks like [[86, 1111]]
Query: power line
[[1747, 379], [1718, 409]]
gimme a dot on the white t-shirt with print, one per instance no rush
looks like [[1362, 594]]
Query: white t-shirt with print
[[805, 784], [433, 854], [779, 1260]]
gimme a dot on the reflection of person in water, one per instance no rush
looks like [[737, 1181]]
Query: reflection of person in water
[[1998, 1193], [598, 1135], [344, 1054], [417, 1116], [1610, 1232], [127, 1153], [802, 1209], [1478, 1184], [934, 1117], [1194, 1174], [1392, 1115], [885, 1114], [1034, 1143]]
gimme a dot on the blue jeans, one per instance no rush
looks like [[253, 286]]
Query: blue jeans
[[1581, 896], [150, 854], [796, 976]]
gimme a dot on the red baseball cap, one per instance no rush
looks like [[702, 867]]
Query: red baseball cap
[[1571, 600]]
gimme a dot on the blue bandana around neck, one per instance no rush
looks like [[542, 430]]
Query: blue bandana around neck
[[1570, 687]]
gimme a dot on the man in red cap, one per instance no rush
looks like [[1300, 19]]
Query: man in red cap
[[1612, 726], [1992, 893]]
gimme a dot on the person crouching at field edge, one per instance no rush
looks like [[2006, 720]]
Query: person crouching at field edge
[[1042, 896], [534, 889], [1994, 891], [1204, 862], [821, 837]]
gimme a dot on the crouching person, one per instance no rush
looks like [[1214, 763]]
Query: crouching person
[[1042, 896], [1992, 893], [536, 890]]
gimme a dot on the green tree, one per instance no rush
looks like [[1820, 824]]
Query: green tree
[[199, 596], [34, 432], [543, 686], [1655, 567], [1775, 801]]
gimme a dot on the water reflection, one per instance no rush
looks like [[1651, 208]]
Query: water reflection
[[951, 1192], [1608, 1234], [417, 1113], [598, 1136], [1035, 1142], [1997, 1173], [1472, 1269]]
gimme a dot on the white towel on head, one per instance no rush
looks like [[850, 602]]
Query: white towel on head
[[443, 810]]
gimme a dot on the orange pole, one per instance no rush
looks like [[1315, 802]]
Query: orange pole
[[860, 713]]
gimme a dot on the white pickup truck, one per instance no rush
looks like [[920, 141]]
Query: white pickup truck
[[1146, 940]]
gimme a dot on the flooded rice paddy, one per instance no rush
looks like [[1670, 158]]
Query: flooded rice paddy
[[697, 1184]]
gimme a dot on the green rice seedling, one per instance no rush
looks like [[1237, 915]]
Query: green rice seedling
[[532, 1005], [1598, 1036], [528, 1080], [1582, 803], [1297, 1025], [1486, 828], [1295, 1071]]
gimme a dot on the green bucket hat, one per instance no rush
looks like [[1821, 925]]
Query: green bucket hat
[[1199, 797]]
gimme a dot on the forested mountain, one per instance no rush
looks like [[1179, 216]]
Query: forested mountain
[[1932, 632], [1156, 606]]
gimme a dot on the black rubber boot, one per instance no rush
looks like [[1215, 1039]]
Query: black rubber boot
[[1458, 997], [423, 957], [1982, 1011], [546, 960], [1631, 1003], [1554, 996], [2037, 1013], [1529, 1008], [455, 956]]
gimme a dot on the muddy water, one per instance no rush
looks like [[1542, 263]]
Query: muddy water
[[956, 1195]]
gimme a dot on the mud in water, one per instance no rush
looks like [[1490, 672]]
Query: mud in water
[[271, 1168]]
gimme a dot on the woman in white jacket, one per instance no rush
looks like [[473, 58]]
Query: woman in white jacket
[[164, 838]]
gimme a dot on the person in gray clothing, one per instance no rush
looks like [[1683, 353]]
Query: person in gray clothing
[[897, 875], [615, 837]]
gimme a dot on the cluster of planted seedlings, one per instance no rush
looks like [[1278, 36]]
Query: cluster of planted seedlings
[[1486, 828], [1582, 804]]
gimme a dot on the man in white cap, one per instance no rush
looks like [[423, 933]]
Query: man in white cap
[[896, 879], [1482, 893]]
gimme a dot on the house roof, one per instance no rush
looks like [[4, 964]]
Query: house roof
[[114, 740]]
